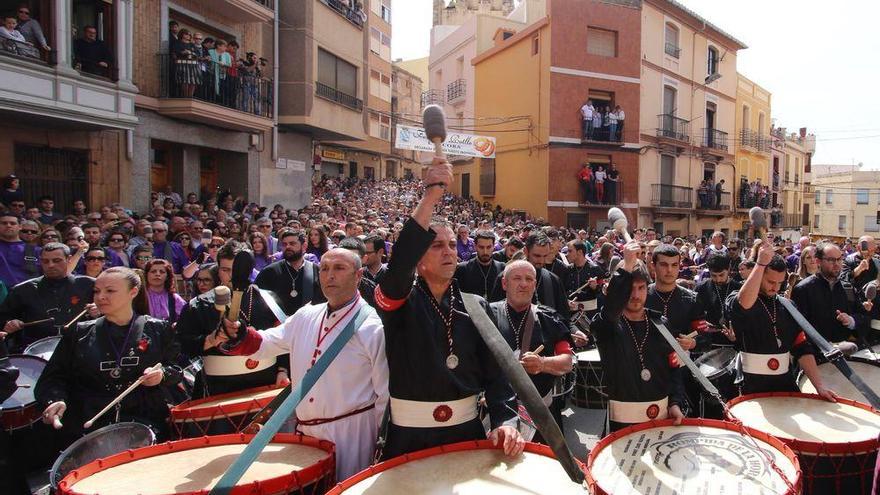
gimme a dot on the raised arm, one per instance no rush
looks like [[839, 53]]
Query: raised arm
[[748, 294]]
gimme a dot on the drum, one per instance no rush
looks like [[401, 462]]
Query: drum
[[564, 384], [43, 348], [466, 468], [835, 442], [868, 353], [21, 409], [103, 442], [290, 464], [717, 366], [701, 456], [220, 414], [589, 389], [833, 379]]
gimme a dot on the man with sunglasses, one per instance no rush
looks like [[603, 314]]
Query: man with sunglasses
[[30, 28], [30, 232], [16, 207], [19, 260], [265, 226]]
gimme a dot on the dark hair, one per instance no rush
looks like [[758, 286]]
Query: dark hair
[[777, 264], [130, 276], [44, 197], [516, 242], [820, 249], [143, 248], [10, 214], [89, 225], [717, 263], [213, 269], [54, 246], [287, 232], [262, 238], [376, 241], [323, 243], [579, 246], [484, 234], [230, 250], [355, 244], [169, 272], [665, 250], [640, 273], [537, 239], [748, 263]]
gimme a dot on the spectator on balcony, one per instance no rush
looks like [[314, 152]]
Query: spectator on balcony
[[606, 124], [91, 54], [621, 117], [585, 177], [612, 125], [220, 60], [174, 30], [249, 68], [587, 120], [17, 44], [207, 73], [187, 73], [30, 28], [597, 124], [719, 188], [11, 192], [599, 178], [613, 177], [703, 194], [233, 85]]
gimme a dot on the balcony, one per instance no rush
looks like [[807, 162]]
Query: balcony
[[714, 139], [433, 97], [709, 203], [611, 195], [246, 10], [354, 13], [456, 91], [669, 196], [673, 50], [671, 127], [334, 95], [239, 102], [792, 221]]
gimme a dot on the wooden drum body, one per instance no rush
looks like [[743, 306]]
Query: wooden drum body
[[290, 464], [220, 414], [589, 387], [835, 442], [466, 468], [701, 456]]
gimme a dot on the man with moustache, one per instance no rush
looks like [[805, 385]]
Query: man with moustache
[[477, 276], [293, 279]]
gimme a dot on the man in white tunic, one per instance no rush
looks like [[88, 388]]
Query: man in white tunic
[[348, 401]]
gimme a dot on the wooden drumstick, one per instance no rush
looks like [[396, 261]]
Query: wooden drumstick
[[37, 322], [80, 315], [692, 334], [88, 424]]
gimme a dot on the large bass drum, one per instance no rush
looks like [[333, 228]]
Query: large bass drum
[[103, 442]]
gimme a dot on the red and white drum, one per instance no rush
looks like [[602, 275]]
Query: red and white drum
[[220, 414], [835, 442], [21, 409], [701, 456], [466, 468], [290, 464]]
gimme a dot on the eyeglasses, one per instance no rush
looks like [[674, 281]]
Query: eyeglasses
[[216, 245], [51, 236], [96, 258], [116, 239], [144, 258], [29, 232], [204, 280], [184, 238], [833, 260]]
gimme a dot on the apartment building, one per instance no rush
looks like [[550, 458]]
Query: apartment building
[[796, 197], [457, 12], [846, 204], [756, 183], [406, 93]]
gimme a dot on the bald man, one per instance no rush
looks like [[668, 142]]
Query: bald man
[[347, 403]]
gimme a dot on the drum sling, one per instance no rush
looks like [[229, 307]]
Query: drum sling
[[290, 397], [273, 306], [523, 386]]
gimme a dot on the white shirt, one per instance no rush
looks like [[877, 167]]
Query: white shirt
[[12, 35], [587, 112], [621, 115], [600, 176], [357, 378]]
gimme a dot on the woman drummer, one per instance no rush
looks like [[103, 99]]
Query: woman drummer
[[98, 359]]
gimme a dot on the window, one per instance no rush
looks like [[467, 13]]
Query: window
[[535, 46], [818, 197], [601, 42], [829, 196], [862, 196], [100, 15], [601, 98], [375, 40], [871, 224], [487, 177], [746, 117], [760, 122], [841, 222], [672, 47], [386, 11], [815, 221], [712, 61], [336, 73]]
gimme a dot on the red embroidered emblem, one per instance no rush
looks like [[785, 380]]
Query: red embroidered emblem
[[653, 411], [143, 345], [773, 364], [442, 414], [251, 364], [74, 300]]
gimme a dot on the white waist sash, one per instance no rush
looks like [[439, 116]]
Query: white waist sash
[[233, 365], [418, 414], [875, 324], [765, 364], [638, 412], [588, 305]]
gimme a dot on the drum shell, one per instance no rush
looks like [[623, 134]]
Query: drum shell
[[702, 404], [194, 418], [830, 468], [316, 478], [43, 348], [25, 411], [589, 388]]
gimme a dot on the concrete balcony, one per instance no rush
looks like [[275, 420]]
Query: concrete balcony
[[709, 204], [246, 10]]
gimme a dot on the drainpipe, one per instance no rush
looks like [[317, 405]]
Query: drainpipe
[[275, 80]]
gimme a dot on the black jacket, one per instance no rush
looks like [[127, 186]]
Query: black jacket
[[474, 278], [819, 302], [278, 277]]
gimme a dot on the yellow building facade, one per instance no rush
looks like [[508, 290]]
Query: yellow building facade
[[752, 145], [846, 204]]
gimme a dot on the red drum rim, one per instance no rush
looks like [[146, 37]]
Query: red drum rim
[[192, 410], [810, 447], [774, 442], [271, 485], [371, 471]]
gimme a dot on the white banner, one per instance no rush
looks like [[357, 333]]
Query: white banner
[[414, 138]]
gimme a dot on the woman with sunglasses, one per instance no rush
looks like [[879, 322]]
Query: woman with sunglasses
[[185, 241], [116, 242], [141, 256], [95, 262], [49, 235], [159, 299]]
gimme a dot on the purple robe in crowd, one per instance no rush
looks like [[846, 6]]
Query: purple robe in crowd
[[12, 264]]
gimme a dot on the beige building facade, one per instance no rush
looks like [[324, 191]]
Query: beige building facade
[[795, 208], [846, 204]]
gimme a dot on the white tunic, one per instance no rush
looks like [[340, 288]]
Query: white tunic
[[357, 378]]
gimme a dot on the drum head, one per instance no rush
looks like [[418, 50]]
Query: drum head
[[808, 423], [98, 444], [662, 459], [467, 468], [716, 361], [43, 348], [589, 356], [30, 368], [833, 379]]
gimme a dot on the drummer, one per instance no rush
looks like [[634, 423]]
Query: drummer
[[765, 333], [646, 381], [98, 359], [526, 327], [677, 304], [582, 280], [712, 294], [55, 296]]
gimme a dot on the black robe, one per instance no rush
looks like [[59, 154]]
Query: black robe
[[474, 278]]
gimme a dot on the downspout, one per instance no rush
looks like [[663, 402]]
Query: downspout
[[276, 58], [693, 93]]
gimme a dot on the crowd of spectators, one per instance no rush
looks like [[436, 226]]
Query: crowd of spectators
[[602, 122], [753, 194]]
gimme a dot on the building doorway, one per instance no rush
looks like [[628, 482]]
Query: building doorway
[[60, 173], [465, 185], [353, 169]]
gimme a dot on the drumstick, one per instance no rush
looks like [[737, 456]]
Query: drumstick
[[692, 334], [24, 385], [538, 350], [71, 322], [37, 322], [118, 399]]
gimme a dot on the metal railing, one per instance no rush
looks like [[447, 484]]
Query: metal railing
[[715, 139], [709, 200], [792, 220], [456, 90], [212, 82], [748, 199], [433, 97], [350, 9], [673, 50], [669, 196], [611, 193], [672, 127], [337, 96], [23, 50]]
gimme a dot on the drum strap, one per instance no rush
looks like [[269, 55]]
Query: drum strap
[[832, 354], [308, 282], [522, 385], [271, 304], [280, 412], [685, 358]]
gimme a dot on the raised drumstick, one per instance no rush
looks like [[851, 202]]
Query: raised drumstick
[[88, 424], [80, 315]]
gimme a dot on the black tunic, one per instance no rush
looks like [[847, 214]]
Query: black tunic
[[680, 308], [849, 265], [754, 335], [620, 358], [79, 373], [40, 298], [279, 276], [712, 298], [417, 347], [819, 301], [474, 278]]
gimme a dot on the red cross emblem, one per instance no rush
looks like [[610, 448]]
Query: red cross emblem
[[251, 364], [653, 411], [773, 364], [442, 413]]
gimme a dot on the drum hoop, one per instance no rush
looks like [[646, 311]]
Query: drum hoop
[[371, 471], [30, 405], [32, 344], [91, 436], [271, 485], [807, 446], [774, 442], [191, 410], [860, 359]]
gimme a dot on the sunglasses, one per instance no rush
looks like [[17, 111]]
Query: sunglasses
[[216, 245], [144, 258], [51, 236], [116, 240], [182, 238], [95, 258], [29, 232]]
